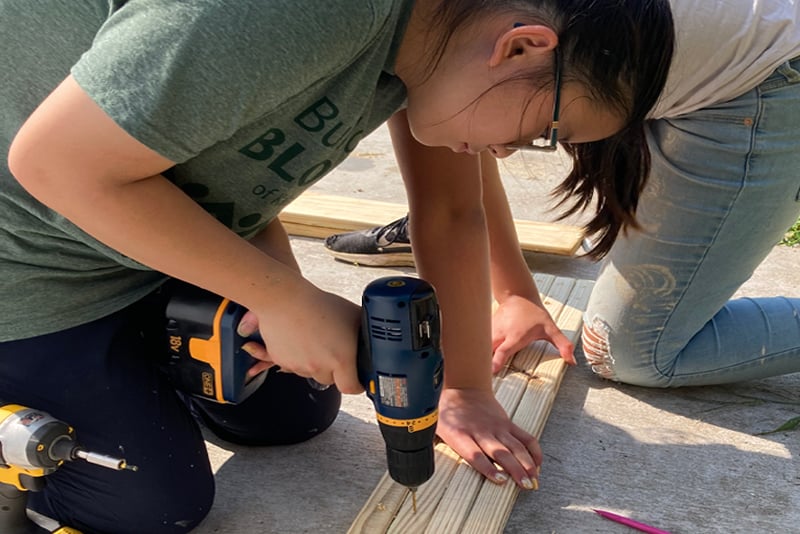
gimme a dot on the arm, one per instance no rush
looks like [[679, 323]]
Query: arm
[[521, 317], [109, 184], [451, 249], [273, 240]]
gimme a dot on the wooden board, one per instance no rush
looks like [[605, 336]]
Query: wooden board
[[317, 215], [458, 499]]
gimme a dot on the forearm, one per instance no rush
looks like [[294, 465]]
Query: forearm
[[510, 274], [156, 224], [451, 250], [274, 241]]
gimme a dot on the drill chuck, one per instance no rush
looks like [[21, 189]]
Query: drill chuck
[[409, 458], [33, 444]]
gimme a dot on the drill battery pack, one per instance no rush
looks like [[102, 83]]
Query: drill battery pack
[[204, 353]]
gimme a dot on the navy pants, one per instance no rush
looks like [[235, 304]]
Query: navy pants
[[103, 379]]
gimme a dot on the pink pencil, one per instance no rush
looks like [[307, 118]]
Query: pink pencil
[[630, 522]]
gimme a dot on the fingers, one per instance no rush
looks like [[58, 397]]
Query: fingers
[[531, 445], [564, 346], [257, 369], [502, 355], [248, 325], [520, 458], [346, 380], [514, 455], [259, 352], [500, 458], [506, 350]]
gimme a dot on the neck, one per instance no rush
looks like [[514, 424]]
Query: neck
[[415, 49]]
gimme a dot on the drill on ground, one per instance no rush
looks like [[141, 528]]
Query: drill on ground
[[399, 362], [34, 444]]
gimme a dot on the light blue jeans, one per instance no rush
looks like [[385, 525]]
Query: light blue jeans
[[724, 188]]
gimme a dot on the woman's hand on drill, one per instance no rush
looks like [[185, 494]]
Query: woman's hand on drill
[[474, 424], [313, 336]]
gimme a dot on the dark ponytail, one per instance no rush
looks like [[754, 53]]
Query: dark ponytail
[[612, 171], [622, 48]]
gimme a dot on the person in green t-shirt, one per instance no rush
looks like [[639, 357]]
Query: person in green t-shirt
[[150, 140]]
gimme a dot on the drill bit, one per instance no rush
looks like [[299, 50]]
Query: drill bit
[[103, 460], [413, 499]]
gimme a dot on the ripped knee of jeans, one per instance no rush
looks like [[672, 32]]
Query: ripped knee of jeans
[[595, 347]]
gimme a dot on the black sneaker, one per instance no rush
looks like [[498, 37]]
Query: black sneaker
[[381, 246]]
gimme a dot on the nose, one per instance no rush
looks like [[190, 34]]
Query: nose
[[500, 151]]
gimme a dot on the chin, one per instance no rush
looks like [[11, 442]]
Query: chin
[[423, 137]]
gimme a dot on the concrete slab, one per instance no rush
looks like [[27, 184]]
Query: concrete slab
[[688, 460]]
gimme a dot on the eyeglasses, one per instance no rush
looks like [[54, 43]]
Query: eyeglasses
[[550, 141]]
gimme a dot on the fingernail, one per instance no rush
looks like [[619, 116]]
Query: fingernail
[[245, 329], [529, 484], [500, 477], [538, 470]]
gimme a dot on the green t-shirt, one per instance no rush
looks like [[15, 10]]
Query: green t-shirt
[[254, 100]]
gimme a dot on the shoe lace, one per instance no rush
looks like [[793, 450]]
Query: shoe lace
[[394, 230]]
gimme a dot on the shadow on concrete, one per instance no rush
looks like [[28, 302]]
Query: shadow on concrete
[[285, 489], [685, 460]]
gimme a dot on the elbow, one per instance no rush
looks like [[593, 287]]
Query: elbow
[[40, 174], [26, 166]]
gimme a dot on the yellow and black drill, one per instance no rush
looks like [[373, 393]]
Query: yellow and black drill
[[399, 362], [34, 444]]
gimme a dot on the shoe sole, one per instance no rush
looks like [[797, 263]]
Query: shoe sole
[[385, 259]]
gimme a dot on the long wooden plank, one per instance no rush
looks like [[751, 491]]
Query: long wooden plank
[[510, 388], [457, 499], [493, 505], [318, 215]]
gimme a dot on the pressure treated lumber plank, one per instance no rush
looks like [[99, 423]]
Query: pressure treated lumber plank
[[492, 507], [428, 495], [390, 502], [457, 499], [318, 215], [509, 391]]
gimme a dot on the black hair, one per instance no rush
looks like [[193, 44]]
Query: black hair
[[620, 52]]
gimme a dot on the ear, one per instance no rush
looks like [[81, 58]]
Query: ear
[[522, 42]]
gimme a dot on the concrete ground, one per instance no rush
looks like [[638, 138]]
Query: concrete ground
[[688, 461]]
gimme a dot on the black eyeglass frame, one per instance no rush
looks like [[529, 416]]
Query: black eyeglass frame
[[552, 145]]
